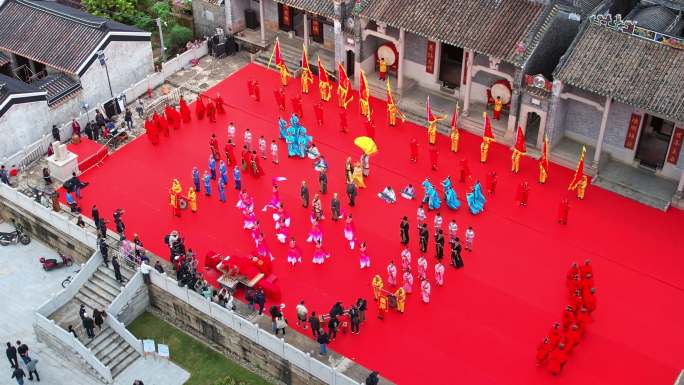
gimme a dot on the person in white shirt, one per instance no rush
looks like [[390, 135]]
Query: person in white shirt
[[274, 151], [470, 236], [302, 312], [408, 192], [388, 195], [453, 229], [248, 139], [231, 132]]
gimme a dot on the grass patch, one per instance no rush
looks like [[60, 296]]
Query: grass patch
[[206, 366]]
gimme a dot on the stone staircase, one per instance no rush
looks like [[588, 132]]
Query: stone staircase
[[98, 293], [291, 51]]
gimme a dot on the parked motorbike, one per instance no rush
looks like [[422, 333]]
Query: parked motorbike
[[18, 235], [52, 263]]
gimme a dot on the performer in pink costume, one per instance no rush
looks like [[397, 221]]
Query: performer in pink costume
[[408, 281], [256, 232], [320, 255], [275, 201], [250, 220], [294, 255], [364, 258], [422, 267], [316, 233], [245, 203], [262, 248], [439, 274], [425, 290], [282, 230], [281, 214], [392, 274], [349, 233], [406, 258]]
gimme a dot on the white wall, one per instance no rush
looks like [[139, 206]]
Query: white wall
[[22, 125]]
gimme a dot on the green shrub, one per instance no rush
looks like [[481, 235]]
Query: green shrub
[[178, 36]]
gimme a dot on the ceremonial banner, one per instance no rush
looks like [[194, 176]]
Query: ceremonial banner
[[632, 131], [430, 59], [676, 145]]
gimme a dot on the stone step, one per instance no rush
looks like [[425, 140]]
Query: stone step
[[108, 271], [97, 292], [117, 355], [105, 284], [627, 191], [111, 349], [100, 337], [123, 364], [90, 302]]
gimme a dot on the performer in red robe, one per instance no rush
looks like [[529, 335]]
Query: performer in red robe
[[543, 350], [574, 284], [563, 210], [555, 334], [434, 157], [297, 106], [211, 112], [576, 300], [151, 130], [255, 165], [589, 297], [219, 104], [176, 118], [557, 359], [491, 182], [245, 156], [465, 171], [413, 157], [343, 119], [230, 154], [163, 125], [318, 111], [586, 268], [583, 320], [279, 95], [199, 108], [370, 129], [184, 110], [250, 88], [170, 117], [214, 147], [568, 317], [523, 193], [572, 272], [257, 92], [572, 337]]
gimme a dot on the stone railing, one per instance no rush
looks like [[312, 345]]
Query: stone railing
[[253, 332], [38, 149], [65, 295], [66, 340]]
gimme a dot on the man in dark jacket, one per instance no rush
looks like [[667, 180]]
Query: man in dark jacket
[[335, 207], [11, 352], [323, 340], [275, 313], [362, 305], [351, 193], [260, 300], [23, 350], [404, 230], [19, 375], [423, 234], [315, 324], [104, 250], [354, 319], [372, 379], [323, 180], [117, 269], [55, 133], [95, 213], [304, 194], [89, 326], [333, 323]]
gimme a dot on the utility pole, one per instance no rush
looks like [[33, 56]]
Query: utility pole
[[161, 39], [103, 62]]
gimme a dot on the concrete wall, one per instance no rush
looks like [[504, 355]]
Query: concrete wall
[[207, 17], [137, 301], [22, 125], [581, 121], [225, 340]]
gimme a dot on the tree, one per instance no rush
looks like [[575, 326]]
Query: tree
[[123, 11], [179, 35]]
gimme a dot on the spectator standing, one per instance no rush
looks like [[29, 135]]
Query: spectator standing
[[260, 299], [281, 324], [354, 319], [4, 178], [140, 109], [333, 323], [362, 305], [323, 341], [315, 324], [11, 352], [23, 350], [302, 312], [275, 313], [19, 375], [117, 269], [55, 133], [98, 318], [72, 331], [158, 266], [89, 326], [128, 118], [32, 371]]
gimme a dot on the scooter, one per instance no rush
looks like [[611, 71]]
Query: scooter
[[52, 263], [18, 235]]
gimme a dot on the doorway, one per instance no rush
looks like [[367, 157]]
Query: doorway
[[654, 141], [450, 63], [316, 30], [350, 64], [532, 128]]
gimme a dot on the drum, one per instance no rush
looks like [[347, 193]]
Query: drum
[[182, 203], [502, 89]]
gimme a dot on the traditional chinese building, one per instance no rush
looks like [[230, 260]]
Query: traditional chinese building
[[71, 57], [620, 91]]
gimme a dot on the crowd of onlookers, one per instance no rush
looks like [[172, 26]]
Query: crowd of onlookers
[[21, 362]]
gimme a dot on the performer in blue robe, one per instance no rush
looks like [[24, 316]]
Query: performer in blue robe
[[292, 143], [431, 197], [282, 128], [450, 196], [476, 200], [304, 142]]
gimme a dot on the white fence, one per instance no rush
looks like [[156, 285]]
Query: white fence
[[69, 340], [232, 320], [38, 149], [124, 297]]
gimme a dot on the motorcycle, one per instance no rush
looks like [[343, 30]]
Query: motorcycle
[[52, 263], [18, 235]]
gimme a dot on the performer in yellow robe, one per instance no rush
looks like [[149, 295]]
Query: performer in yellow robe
[[542, 174], [454, 139], [432, 132], [515, 161], [173, 202], [582, 187], [401, 299], [307, 80], [324, 88], [357, 176], [377, 286], [365, 111], [392, 111], [176, 186], [484, 150], [192, 199]]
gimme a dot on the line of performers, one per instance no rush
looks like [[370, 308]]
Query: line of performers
[[564, 336], [159, 123], [475, 198]]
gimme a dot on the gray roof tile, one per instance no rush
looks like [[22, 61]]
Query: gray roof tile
[[319, 7]]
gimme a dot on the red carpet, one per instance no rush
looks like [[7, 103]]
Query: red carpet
[[483, 326], [89, 153]]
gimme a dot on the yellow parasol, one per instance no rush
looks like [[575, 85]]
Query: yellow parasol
[[366, 144]]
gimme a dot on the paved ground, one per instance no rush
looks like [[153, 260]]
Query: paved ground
[[26, 286]]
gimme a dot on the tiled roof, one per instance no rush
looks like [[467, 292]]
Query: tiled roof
[[319, 7], [51, 33], [11, 86], [480, 25], [3, 59], [58, 87], [629, 69]]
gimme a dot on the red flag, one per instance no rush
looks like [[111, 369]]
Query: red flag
[[363, 87], [343, 80], [430, 116], [305, 59], [455, 119], [487, 132], [579, 171], [520, 141], [322, 73], [279, 62]]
